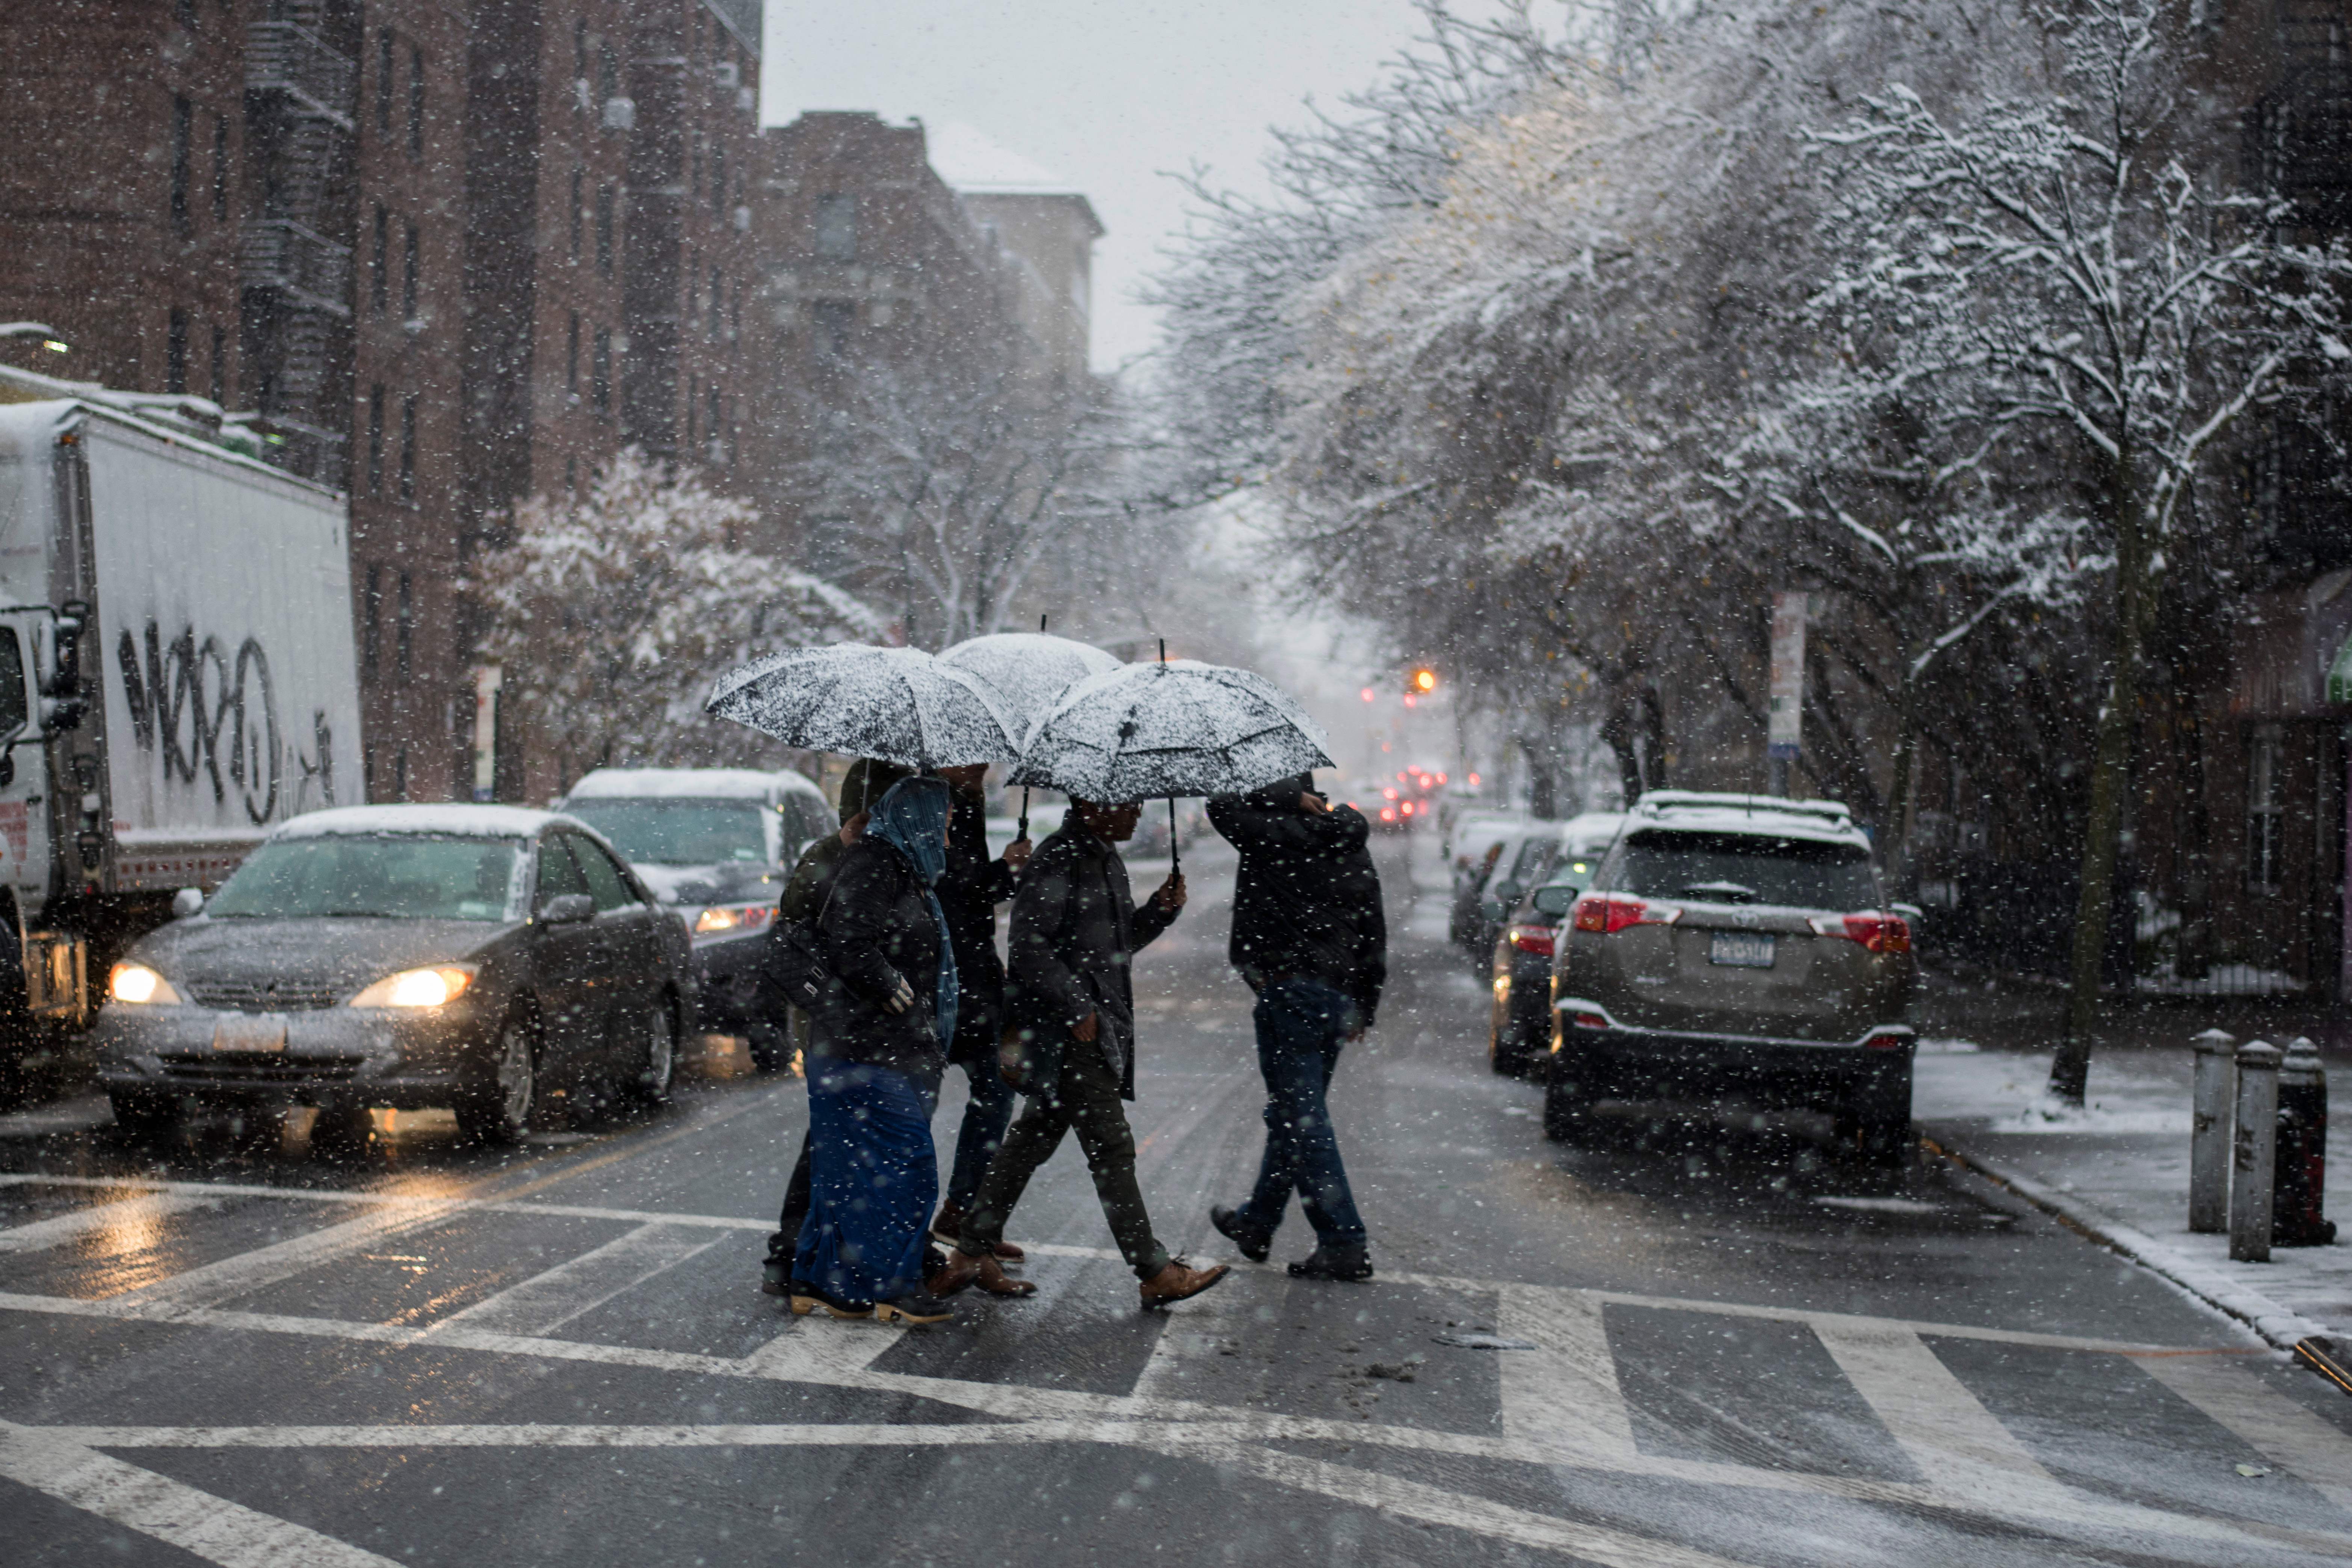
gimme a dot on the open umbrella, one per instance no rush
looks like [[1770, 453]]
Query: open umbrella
[[899, 704], [1028, 671], [1178, 727]]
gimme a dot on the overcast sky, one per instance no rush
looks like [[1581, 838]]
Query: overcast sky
[[1107, 93]]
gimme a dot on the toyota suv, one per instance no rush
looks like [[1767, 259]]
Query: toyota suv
[[1737, 948]]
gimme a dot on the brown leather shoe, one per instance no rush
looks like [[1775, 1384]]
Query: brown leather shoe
[[950, 1226], [1180, 1283], [963, 1270]]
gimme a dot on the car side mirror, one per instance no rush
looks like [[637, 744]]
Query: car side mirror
[[1555, 899], [567, 909], [187, 903]]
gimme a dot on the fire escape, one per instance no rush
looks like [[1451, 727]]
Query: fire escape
[[295, 262]]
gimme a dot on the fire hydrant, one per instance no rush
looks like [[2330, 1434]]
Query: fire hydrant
[[2299, 1170]]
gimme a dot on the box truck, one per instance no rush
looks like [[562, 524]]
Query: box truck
[[177, 674]]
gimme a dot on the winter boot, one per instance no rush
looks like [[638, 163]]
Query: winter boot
[[1334, 1263], [1254, 1244]]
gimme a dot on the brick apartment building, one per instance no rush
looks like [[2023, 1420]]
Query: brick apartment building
[[404, 239]]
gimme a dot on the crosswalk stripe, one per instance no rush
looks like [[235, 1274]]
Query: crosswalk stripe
[[1948, 1434], [211, 1284], [198, 1523], [546, 1301], [123, 1215], [1562, 1397], [2273, 1425]]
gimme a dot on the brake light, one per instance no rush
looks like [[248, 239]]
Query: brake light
[[1406, 808], [1885, 1042], [1388, 813], [1876, 932], [1608, 915], [1590, 1021], [1532, 939]]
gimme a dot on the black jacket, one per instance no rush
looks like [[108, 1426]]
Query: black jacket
[[970, 891], [1306, 900], [1075, 924], [876, 928]]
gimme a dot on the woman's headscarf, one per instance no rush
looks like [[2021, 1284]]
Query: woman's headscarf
[[913, 818]]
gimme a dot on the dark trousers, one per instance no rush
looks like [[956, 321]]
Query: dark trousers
[[982, 1133], [1085, 1099], [1301, 1025]]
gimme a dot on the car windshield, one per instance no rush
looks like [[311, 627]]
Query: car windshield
[[1747, 868], [399, 877], [679, 832]]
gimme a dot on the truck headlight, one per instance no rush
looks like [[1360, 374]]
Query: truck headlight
[[417, 987], [137, 983]]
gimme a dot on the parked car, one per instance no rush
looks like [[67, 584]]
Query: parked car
[[1477, 845], [717, 845], [1737, 947], [1526, 859], [1519, 1027], [467, 956]]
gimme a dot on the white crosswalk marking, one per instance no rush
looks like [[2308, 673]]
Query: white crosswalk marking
[[1562, 1397], [1194, 1335], [1957, 1443], [198, 1523], [123, 1215], [211, 1284], [2273, 1424], [545, 1302]]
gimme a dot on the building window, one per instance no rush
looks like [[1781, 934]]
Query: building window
[[186, 11], [600, 372], [830, 321], [183, 115], [693, 399], [718, 180], [717, 286], [837, 228], [404, 633], [608, 73], [416, 103], [735, 314], [407, 465], [219, 367], [371, 625], [580, 63], [2265, 816], [175, 353], [380, 275], [408, 276], [579, 212], [604, 230], [694, 166], [383, 83], [571, 474], [717, 452], [375, 440], [220, 168], [400, 773], [572, 358]]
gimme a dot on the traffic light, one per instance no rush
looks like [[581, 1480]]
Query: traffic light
[[1420, 682]]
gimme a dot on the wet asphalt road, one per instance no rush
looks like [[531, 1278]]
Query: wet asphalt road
[[1720, 1347]]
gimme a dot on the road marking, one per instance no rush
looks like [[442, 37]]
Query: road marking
[[1563, 1398], [198, 1523], [545, 1302], [1189, 1339], [124, 1214], [210, 1284], [2276, 1427], [1956, 1443]]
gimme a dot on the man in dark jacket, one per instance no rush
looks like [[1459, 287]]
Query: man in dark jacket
[[1310, 939], [970, 891], [1075, 928]]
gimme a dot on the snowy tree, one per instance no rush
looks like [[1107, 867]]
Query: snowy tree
[[612, 611], [2060, 270]]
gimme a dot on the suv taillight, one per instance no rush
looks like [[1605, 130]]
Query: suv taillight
[[1876, 932], [1532, 939], [1608, 914]]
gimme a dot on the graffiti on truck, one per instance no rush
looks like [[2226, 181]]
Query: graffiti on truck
[[212, 714]]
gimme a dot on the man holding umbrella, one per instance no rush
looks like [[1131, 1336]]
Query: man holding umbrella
[[1310, 939]]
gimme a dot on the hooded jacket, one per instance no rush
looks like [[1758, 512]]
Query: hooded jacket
[[1076, 926], [1307, 900], [876, 928]]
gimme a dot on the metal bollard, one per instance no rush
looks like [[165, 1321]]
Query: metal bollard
[[2210, 1094], [2299, 1178], [2254, 1144]]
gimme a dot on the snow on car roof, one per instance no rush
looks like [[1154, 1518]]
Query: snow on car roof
[[458, 820], [1589, 831], [680, 784], [1825, 821]]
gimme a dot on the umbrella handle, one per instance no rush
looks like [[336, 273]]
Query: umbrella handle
[[1175, 857], [1024, 812]]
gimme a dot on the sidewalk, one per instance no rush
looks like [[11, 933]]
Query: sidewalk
[[2119, 1169]]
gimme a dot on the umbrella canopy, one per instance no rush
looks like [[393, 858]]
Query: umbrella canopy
[[1179, 728], [1028, 671], [899, 704]]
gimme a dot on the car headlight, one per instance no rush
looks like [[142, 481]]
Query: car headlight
[[137, 983], [734, 920], [417, 987]]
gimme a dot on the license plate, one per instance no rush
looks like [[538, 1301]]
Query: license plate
[[1742, 948], [250, 1032]]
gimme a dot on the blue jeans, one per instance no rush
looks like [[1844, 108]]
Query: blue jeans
[[873, 1176], [985, 1118], [1301, 1025]]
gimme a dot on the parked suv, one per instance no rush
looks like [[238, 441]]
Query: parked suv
[[1737, 947]]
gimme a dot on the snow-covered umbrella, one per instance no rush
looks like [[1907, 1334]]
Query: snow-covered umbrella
[[1029, 671], [1178, 727], [899, 704]]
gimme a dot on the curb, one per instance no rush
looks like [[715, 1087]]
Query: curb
[[2279, 1327]]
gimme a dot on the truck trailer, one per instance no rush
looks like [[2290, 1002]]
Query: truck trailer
[[177, 674]]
